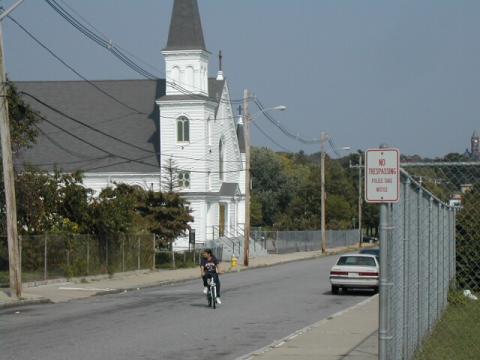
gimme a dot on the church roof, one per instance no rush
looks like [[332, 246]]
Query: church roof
[[130, 139], [185, 27], [475, 134]]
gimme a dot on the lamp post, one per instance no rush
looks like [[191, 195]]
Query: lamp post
[[248, 119]]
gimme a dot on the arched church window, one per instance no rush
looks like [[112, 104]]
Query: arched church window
[[220, 160], [183, 129], [189, 73], [176, 74]]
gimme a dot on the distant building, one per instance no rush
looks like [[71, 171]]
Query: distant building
[[474, 152], [456, 200]]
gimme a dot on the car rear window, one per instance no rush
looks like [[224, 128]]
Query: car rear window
[[356, 261]]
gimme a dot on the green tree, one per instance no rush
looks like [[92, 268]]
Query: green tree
[[23, 120], [115, 210], [271, 184], [166, 214]]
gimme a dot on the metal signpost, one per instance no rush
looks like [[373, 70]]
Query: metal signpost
[[382, 186], [382, 176]]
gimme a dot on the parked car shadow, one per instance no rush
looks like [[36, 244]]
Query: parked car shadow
[[353, 292]]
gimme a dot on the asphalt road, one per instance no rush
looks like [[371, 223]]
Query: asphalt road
[[173, 322]]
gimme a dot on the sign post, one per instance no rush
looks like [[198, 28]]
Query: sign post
[[382, 176], [382, 186]]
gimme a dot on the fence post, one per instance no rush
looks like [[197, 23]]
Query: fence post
[[173, 255], [276, 242], [106, 253], [153, 252], [123, 253], [45, 258], [420, 273], [138, 252], [88, 254], [68, 258], [406, 267], [430, 265], [384, 285]]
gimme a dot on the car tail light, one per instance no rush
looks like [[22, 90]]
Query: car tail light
[[368, 274], [338, 273]]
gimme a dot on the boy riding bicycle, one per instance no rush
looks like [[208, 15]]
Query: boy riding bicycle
[[209, 265]]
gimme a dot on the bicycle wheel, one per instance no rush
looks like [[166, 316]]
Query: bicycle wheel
[[209, 298], [214, 296]]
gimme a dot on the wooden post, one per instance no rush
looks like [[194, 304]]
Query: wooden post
[[246, 114], [360, 200], [323, 138], [8, 178]]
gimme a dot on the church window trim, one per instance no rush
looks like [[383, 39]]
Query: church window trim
[[183, 129]]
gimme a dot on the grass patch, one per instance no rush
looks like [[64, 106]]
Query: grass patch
[[456, 334]]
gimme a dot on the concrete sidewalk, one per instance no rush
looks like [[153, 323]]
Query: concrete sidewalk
[[348, 335], [63, 290]]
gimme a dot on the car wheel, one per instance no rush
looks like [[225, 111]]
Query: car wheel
[[334, 290]]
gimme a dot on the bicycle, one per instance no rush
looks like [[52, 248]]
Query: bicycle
[[212, 291]]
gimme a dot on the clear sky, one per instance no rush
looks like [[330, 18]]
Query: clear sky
[[367, 72]]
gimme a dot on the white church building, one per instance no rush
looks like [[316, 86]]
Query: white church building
[[135, 128]]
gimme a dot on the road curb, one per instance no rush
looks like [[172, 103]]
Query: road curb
[[22, 303], [305, 330]]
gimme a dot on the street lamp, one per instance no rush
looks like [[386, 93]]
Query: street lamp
[[248, 119], [324, 138]]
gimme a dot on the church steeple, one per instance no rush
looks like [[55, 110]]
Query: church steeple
[[186, 57], [185, 27], [475, 145]]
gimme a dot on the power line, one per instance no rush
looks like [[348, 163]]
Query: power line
[[91, 144], [82, 123], [282, 128], [115, 50], [67, 116], [61, 147], [33, 37], [269, 137]]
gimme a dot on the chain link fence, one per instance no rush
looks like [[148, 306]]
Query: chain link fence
[[432, 264], [283, 242], [50, 256]]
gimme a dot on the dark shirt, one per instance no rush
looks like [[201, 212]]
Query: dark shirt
[[210, 266]]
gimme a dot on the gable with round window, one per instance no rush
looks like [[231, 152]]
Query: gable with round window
[[184, 179]]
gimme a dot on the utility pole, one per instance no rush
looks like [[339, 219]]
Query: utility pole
[[360, 199], [246, 115], [323, 139], [8, 175]]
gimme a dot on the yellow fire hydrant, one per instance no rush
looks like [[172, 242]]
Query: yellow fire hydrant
[[234, 263]]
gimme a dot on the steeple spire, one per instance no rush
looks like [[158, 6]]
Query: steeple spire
[[220, 67], [185, 27]]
